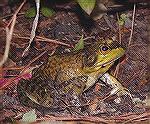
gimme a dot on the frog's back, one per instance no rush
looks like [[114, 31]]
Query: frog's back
[[61, 67]]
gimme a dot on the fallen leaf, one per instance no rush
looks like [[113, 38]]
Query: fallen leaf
[[30, 12], [47, 12], [79, 45], [29, 116], [87, 5]]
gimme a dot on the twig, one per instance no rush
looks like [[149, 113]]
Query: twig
[[134, 117], [13, 68], [39, 38], [148, 46], [109, 23], [17, 11], [139, 73], [74, 118], [35, 22], [119, 28], [132, 28], [10, 81], [9, 34], [90, 37], [33, 60], [117, 70], [137, 117], [8, 41], [139, 44], [6, 16]]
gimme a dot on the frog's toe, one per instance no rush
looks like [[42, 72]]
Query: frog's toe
[[120, 91]]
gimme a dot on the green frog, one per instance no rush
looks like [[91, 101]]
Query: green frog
[[72, 72]]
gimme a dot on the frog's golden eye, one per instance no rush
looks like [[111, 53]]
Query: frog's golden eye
[[104, 48]]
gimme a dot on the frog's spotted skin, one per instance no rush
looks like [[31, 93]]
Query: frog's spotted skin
[[75, 71]]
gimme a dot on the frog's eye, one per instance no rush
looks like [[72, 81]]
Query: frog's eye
[[104, 48]]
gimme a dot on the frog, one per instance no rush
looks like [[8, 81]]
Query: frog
[[75, 72]]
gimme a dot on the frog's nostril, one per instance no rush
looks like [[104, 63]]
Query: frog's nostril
[[103, 66]]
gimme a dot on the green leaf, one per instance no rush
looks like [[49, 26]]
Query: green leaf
[[30, 12], [29, 116], [47, 12], [123, 18], [79, 45], [121, 22], [87, 5]]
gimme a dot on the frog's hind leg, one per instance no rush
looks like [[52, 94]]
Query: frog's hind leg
[[118, 89]]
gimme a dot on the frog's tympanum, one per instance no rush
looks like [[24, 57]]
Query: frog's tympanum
[[71, 72]]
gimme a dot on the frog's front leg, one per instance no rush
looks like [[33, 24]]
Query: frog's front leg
[[116, 85], [75, 84]]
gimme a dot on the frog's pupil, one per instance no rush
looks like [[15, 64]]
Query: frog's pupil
[[104, 48]]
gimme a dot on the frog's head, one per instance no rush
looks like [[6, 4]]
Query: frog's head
[[101, 56]]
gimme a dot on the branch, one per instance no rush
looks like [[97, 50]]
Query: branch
[[133, 17], [8, 41], [35, 22], [9, 34]]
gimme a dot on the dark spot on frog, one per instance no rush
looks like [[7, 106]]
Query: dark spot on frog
[[89, 59], [32, 88], [43, 93]]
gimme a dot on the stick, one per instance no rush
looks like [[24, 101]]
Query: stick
[[35, 22], [133, 17]]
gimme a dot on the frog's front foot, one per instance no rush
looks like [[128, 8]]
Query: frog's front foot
[[118, 89]]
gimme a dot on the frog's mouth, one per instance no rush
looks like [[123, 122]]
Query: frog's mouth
[[110, 58], [107, 63]]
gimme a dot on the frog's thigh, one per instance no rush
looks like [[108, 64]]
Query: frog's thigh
[[116, 85]]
